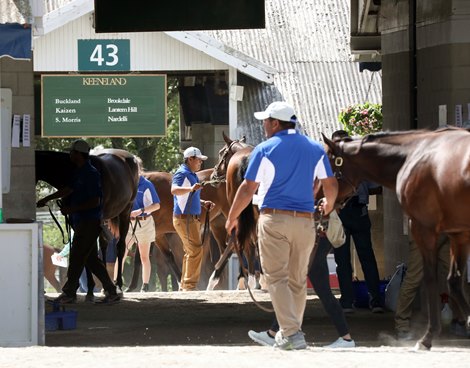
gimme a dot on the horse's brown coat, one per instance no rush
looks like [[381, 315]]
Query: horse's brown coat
[[430, 173]]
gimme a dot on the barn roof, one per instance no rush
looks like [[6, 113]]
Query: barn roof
[[307, 42]]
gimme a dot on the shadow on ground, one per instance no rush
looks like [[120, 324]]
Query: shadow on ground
[[217, 317]]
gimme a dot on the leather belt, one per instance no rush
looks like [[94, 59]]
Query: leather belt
[[287, 212], [185, 216], [140, 218]]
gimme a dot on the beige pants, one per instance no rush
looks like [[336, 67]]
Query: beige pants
[[190, 235], [285, 244]]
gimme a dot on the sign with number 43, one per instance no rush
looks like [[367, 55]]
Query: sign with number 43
[[99, 55]]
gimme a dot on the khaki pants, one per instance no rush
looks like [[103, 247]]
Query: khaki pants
[[285, 244], [412, 282], [191, 237]]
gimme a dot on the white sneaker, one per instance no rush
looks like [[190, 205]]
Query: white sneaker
[[261, 338], [292, 342], [341, 344]]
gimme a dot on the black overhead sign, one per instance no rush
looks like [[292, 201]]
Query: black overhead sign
[[177, 15]]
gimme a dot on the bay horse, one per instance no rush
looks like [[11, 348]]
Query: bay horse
[[119, 179], [430, 173], [231, 167], [213, 190]]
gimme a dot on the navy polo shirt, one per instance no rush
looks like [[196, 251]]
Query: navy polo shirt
[[285, 167], [146, 195], [86, 184], [184, 177]]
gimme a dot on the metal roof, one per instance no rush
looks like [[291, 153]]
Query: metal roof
[[307, 41], [15, 11]]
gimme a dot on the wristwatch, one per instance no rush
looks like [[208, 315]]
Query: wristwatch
[[142, 210]]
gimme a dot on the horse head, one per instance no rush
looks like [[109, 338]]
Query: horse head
[[225, 154], [344, 169]]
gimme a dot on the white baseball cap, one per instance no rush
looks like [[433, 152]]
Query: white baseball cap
[[80, 146], [279, 110], [194, 152]]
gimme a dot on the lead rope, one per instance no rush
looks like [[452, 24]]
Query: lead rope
[[240, 260], [67, 223]]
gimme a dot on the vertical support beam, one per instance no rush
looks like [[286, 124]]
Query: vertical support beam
[[354, 17], [232, 105], [413, 68]]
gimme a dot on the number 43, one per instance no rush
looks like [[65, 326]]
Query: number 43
[[111, 52]]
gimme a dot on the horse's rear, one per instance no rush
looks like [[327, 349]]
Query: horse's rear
[[119, 177], [434, 189]]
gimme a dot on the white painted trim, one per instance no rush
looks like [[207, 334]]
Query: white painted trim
[[222, 52], [60, 17]]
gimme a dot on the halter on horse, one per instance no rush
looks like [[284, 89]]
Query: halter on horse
[[430, 172]]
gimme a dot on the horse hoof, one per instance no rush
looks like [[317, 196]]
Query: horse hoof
[[212, 283], [421, 347]]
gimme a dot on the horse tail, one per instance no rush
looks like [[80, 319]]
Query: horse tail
[[247, 220]]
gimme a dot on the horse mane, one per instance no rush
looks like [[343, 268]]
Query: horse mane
[[122, 154]]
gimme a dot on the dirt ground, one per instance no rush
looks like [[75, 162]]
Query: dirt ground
[[199, 329]]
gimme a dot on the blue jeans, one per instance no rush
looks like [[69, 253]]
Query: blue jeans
[[357, 225]]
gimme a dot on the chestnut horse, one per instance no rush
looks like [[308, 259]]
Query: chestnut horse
[[430, 172], [213, 190], [119, 178]]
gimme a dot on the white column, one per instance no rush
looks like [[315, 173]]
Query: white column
[[232, 105]]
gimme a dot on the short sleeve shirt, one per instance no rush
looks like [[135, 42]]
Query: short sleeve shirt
[[285, 167], [188, 203], [86, 184], [146, 195]]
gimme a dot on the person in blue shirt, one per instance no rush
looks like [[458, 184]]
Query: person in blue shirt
[[84, 206], [282, 170], [186, 188], [142, 227], [356, 223]]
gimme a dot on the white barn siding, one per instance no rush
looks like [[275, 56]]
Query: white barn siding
[[57, 51]]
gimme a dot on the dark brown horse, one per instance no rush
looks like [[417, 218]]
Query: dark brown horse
[[430, 172], [164, 216], [231, 167], [119, 177]]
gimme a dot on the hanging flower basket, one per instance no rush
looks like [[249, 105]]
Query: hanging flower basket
[[361, 119]]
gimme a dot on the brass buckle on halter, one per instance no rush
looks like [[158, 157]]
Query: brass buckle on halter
[[338, 161]]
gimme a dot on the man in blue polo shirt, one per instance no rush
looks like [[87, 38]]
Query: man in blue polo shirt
[[186, 188], [283, 169]]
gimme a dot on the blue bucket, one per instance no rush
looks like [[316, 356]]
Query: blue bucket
[[361, 293]]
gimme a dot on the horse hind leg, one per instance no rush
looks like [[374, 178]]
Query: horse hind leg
[[434, 320], [251, 259], [164, 246], [426, 241], [460, 305], [219, 267]]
